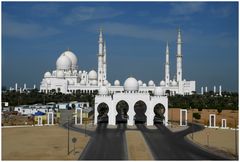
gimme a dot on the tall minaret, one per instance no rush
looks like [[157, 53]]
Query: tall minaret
[[100, 59], [179, 57], [167, 70], [105, 62]]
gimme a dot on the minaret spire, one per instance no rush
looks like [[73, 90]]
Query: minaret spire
[[105, 61], [167, 69], [100, 58], [179, 56]]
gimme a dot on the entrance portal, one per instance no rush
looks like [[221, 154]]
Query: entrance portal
[[159, 111], [140, 109], [103, 113], [122, 109]]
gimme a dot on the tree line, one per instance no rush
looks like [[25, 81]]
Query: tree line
[[228, 100], [33, 97]]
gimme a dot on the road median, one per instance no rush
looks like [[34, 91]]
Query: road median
[[137, 146]]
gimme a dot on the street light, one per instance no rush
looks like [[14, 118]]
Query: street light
[[172, 118], [192, 121], [236, 143], [68, 133]]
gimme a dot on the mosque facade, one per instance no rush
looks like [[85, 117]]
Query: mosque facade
[[67, 78]]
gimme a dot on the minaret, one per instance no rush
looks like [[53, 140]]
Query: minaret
[[16, 87], [201, 90], [100, 59], [179, 57], [105, 62], [220, 90], [167, 70]]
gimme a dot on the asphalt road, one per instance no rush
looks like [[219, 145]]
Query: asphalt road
[[110, 144], [166, 145], [106, 144]]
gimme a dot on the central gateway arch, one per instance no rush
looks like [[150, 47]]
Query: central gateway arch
[[125, 105]]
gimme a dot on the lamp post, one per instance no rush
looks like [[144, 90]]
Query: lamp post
[[68, 135], [85, 128], [192, 122], [172, 117], [236, 142]]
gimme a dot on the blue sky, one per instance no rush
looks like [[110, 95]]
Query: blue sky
[[34, 34]]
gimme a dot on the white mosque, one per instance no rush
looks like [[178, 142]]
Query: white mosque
[[67, 78]]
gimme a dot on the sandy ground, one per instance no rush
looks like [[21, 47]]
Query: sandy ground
[[40, 143], [230, 115], [137, 147], [219, 139]]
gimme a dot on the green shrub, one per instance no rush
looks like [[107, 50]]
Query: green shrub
[[197, 116], [219, 110]]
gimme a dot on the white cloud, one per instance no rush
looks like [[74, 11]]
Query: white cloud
[[186, 8], [23, 30], [85, 13]]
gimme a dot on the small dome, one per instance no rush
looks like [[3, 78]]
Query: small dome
[[162, 83], [131, 84], [117, 83], [63, 62], [92, 75], [105, 82], [140, 83], [75, 72], [72, 57], [174, 83], [60, 74], [144, 85], [47, 74], [83, 82], [109, 84], [94, 82], [103, 90], [150, 83], [158, 91]]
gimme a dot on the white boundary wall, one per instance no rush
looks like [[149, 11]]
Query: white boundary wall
[[183, 122]]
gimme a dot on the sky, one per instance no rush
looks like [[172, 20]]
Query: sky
[[34, 34]]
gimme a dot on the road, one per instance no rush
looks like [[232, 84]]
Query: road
[[166, 145], [110, 144], [106, 144]]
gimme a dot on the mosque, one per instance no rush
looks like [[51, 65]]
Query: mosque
[[67, 78]]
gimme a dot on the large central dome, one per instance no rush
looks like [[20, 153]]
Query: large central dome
[[63, 62], [131, 84], [72, 57]]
